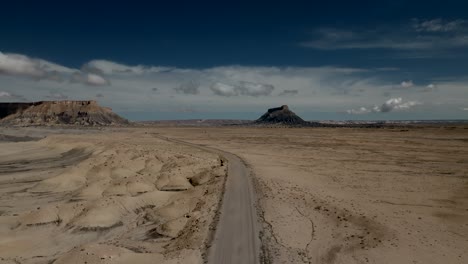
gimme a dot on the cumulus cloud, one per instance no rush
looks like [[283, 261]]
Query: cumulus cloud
[[94, 79], [407, 84], [242, 88], [288, 92], [16, 64], [190, 87], [255, 89], [393, 104], [397, 104], [91, 79], [223, 89], [54, 67], [38, 69]]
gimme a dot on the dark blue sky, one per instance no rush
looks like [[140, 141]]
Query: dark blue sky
[[204, 33], [422, 43]]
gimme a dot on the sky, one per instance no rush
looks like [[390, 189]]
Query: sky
[[328, 60]]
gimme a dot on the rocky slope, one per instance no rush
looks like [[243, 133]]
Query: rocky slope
[[282, 116], [87, 113]]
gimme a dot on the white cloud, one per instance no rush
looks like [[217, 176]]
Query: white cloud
[[429, 88], [90, 79], [11, 96], [397, 104], [16, 64], [417, 36], [5, 94], [407, 84], [370, 43], [393, 104], [438, 25], [110, 67], [54, 67], [39, 69], [94, 79], [242, 88], [223, 89], [255, 89], [359, 111], [190, 87]]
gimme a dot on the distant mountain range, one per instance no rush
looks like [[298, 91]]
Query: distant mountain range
[[89, 113]]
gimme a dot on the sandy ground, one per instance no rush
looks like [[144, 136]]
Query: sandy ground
[[106, 197], [325, 195], [354, 195]]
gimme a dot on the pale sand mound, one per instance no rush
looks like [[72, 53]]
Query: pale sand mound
[[172, 228], [117, 189], [69, 181], [125, 198], [173, 210], [136, 188]]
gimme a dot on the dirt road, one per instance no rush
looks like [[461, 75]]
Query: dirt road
[[236, 237]]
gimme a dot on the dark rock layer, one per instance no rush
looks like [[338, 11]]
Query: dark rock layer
[[283, 116]]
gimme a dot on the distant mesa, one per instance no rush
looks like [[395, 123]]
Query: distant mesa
[[45, 113], [282, 116]]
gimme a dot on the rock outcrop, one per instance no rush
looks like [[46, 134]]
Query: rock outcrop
[[83, 113], [281, 116]]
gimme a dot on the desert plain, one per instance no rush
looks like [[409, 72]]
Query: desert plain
[[322, 195]]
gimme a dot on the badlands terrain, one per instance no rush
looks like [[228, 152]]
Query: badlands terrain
[[322, 195], [90, 196]]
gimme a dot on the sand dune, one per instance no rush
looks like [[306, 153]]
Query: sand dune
[[98, 198]]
